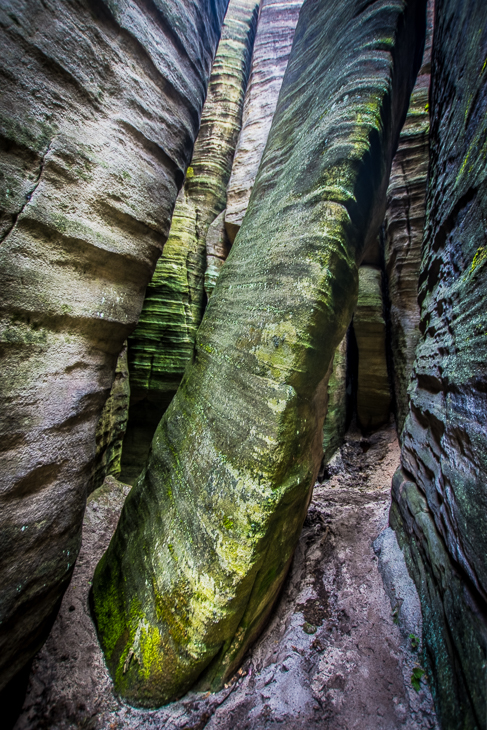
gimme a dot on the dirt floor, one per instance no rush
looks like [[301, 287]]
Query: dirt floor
[[339, 652]]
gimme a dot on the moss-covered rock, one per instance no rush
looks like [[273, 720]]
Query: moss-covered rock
[[162, 343], [99, 110], [441, 509], [207, 534], [335, 423]]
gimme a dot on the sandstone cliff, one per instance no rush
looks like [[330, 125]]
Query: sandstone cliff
[[162, 343], [207, 534], [273, 42], [440, 493], [100, 107], [403, 227]]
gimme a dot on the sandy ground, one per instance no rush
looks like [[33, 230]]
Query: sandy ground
[[337, 652]]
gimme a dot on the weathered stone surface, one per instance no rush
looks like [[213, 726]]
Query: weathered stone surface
[[99, 110], [334, 426], [217, 250], [273, 42], [403, 228], [207, 534], [373, 390], [162, 343], [112, 425], [440, 495]]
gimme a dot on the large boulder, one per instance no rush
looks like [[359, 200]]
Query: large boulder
[[162, 343], [440, 494], [403, 229], [207, 534], [273, 42], [99, 111]]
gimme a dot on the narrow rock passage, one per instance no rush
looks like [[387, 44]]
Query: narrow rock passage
[[337, 653]]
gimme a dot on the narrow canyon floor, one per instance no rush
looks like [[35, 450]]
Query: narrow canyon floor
[[338, 653]]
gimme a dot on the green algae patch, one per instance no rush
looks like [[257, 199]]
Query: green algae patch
[[240, 445]]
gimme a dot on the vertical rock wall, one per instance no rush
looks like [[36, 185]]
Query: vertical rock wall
[[373, 390], [440, 494], [112, 425], [99, 111], [208, 532], [334, 426], [403, 227], [273, 42], [163, 340]]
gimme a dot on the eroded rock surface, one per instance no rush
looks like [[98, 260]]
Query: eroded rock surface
[[162, 343], [273, 42], [403, 228], [207, 535], [112, 425], [335, 423], [373, 389], [440, 495], [99, 111], [336, 653]]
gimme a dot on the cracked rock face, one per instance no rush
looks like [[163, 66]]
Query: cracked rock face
[[162, 343], [100, 107], [273, 42], [403, 228], [211, 525], [440, 495]]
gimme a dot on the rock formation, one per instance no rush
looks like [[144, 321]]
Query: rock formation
[[217, 250], [162, 343], [273, 42], [112, 425], [440, 494], [373, 391], [334, 426], [207, 534], [100, 107], [404, 223]]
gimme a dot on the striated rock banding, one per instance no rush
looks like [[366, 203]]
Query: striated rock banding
[[99, 111], [207, 534], [273, 42], [440, 494], [403, 228], [162, 343]]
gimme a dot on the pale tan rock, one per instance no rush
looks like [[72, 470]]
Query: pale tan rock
[[273, 42], [99, 111]]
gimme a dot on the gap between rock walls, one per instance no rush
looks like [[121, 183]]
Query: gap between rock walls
[[282, 440]]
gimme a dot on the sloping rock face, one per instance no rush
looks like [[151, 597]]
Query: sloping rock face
[[403, 228], [207, 534], [162, 343], [100, 107], [335, 423], [112, 425], [273, 42], [441, 492], [373, 390]]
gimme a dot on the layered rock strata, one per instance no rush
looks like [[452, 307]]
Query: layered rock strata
[[273, 42], [162, 343], [373, 390], [207, 534], [217, 249], [99, 111], [112, 425], [335, 423], [403, 228], [440, 494]]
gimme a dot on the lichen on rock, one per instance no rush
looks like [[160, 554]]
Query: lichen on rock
[[206, 536]]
